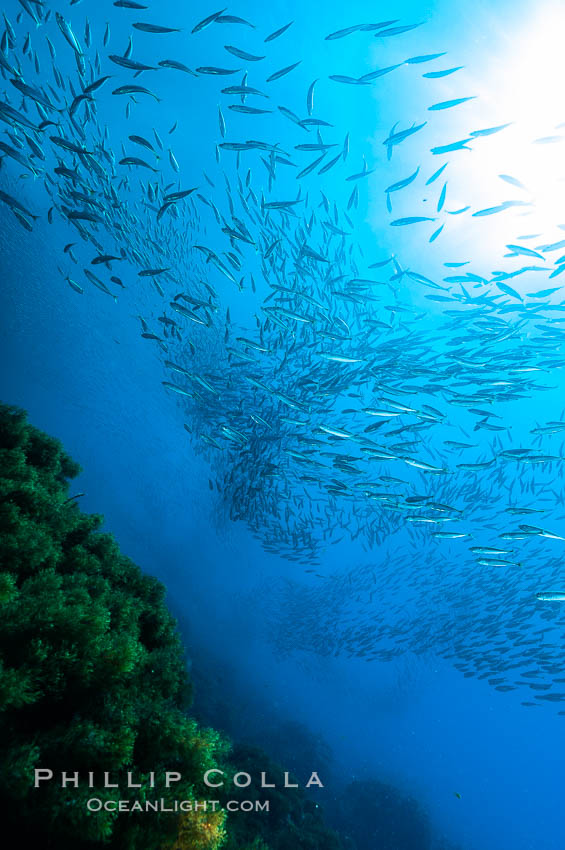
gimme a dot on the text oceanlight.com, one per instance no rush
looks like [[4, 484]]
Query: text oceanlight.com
[[95, 804]]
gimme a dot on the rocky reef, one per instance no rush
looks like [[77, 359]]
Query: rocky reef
[[94, 691]]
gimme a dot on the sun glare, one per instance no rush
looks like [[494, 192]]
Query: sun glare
[[510, 184], [525, 163]]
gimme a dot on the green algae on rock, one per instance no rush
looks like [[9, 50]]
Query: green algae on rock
[[93, 680]]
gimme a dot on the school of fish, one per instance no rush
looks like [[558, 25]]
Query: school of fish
[[337, 394]]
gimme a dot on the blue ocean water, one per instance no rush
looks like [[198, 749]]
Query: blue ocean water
[[324, 587]]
